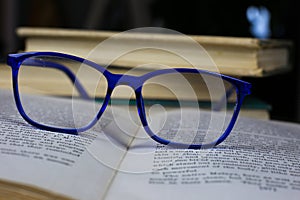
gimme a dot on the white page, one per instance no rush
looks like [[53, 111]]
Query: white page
[[80, 167], [259, 160]]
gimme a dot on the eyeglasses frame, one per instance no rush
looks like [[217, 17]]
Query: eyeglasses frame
[[15, 61]]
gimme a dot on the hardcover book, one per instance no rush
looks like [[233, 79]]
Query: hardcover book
[[237, 56]]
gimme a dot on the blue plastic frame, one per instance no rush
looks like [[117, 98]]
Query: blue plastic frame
[[136, 82]]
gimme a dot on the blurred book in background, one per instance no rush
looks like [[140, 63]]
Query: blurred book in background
[[236, 56], [240, 57]]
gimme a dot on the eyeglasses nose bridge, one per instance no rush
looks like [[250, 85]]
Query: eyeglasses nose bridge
[[122, 79]]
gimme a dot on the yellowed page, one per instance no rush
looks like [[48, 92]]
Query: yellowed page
[[259, 160], [61, 164]]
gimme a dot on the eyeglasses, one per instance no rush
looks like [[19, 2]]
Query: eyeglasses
[[64, 93]]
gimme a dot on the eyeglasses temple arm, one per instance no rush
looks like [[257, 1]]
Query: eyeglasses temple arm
[[64, 69]]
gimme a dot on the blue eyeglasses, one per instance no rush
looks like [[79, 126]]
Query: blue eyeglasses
[[79, 90]]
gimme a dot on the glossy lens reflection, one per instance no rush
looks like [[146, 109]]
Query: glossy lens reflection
[[189, 108], [70, 96]]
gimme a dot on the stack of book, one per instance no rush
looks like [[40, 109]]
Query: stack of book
[[143, 52], [231, 55]]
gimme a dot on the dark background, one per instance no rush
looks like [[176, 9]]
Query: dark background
[[212, 17]]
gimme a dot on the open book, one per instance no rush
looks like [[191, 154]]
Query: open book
[[116, 160]]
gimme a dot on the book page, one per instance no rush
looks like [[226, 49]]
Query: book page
[[259, 160], [59, 163]]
